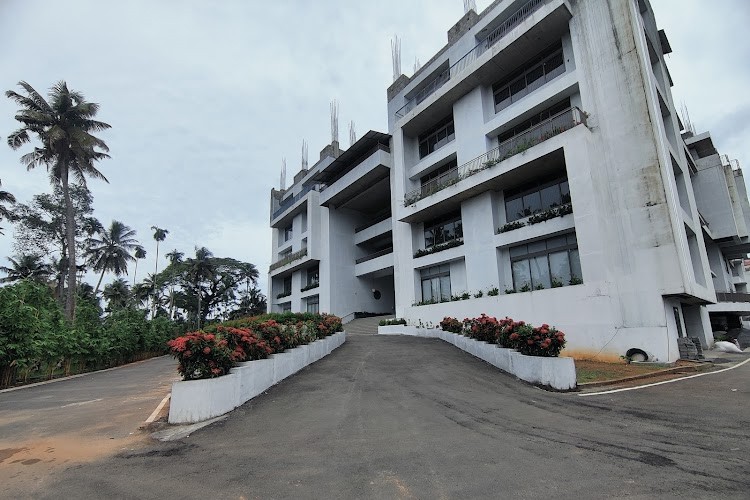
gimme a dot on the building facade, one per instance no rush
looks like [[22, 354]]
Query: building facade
[[535, 168]]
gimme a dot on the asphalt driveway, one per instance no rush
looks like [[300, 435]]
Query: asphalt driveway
[[402, 417]]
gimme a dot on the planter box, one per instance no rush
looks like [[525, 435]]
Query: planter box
[[215, 396], [196, 400], [557, 373]]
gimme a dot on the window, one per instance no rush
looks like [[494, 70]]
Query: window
[[443, 229], [533, 75], [676, 312], [313, 276], [313, 304], [536, 197], [286, 307], [438, 172], [534, 120], [437, 137], [436, 283], [288, 285], [553, 262], [288, 233]]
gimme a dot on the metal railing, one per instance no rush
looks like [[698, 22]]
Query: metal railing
[[288, 259], [528, 88], [732, 297], [288, 202], [375, 255], [495, 36], [537, 134]]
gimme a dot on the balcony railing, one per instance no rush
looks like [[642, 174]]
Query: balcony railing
[[732, 297], [378, 218], [375, 255], [495, 36], [288, 202], [288, 259], [537, 134]]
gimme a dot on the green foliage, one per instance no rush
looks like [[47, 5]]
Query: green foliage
[[394, 321], [439, 247]]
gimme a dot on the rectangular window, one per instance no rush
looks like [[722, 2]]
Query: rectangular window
[[313, 276], [437, 137], [313, 304], [553, 262], [288, 233], [536, 197], [534, 73], [442, 230], [286, 307], [288, 285], [436, 283]]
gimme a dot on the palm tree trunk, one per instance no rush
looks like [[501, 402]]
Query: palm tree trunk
[[156, 269], [135, 272], [70, 301], [99, 282]]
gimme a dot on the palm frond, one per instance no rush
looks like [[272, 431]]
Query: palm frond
[[18, 138], [36, 97]]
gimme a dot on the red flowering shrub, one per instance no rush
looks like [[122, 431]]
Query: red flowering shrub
[[244, 344], [540, 341], [451, 325], [328, 325], [201, 355], [484, 328], [505, 330]]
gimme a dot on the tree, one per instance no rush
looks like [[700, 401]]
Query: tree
[[117, 294], [175, 256], [28, 266], [140, 253], [64, 126], [5, 213], [159, 235], [111, 251], [209, 284]]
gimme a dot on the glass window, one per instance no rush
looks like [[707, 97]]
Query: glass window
[[551, 196], [514, 209], [436, 137], [429, 238], [564, 192], [521, 274], [436, 283], [443, 230], [313, 304], [445, 287], [539, 271], [546, 263], [288, 285], [532, 203], [313, 275], [559, 266]]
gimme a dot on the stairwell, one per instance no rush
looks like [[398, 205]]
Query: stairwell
[[365, 326]]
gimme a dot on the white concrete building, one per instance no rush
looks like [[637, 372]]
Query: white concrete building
[[536, 169]]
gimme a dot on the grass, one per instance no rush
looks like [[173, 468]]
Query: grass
[[597, 371]]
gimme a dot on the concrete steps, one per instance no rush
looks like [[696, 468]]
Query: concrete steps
[[365, 326]]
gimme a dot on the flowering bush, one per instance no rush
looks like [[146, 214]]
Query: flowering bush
[[328, 325], [540, 341], [525, 338], [484, 328], [451, 325], [244, 344], [201, 355]]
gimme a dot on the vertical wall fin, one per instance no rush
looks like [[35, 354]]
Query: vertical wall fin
[[304, 154], [352, 133], [282, 180], [335, 127]]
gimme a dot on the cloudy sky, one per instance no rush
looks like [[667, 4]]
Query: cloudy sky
[[205, 98]]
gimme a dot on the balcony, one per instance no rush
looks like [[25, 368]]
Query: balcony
[[287, 203], [382, 252], [288, 259], [732, 297], [376, 264], [495, 36], [730, 302], [537, 134]]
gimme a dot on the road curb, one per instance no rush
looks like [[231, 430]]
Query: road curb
[[70, 377]]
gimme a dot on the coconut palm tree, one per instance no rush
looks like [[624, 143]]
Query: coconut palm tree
[[64, 126], [111, 250], [28, 266], [159, 235], [117, 294], [140, 253], [6, 198], [200, 268], [175, 257]]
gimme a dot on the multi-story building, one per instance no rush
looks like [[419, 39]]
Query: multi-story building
[[332, 238], [535, 168]]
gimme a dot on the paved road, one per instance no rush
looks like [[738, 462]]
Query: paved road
[[401, 417], [46, 428]]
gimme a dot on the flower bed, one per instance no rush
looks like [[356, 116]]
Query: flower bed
[[530, 353], [235, 361]]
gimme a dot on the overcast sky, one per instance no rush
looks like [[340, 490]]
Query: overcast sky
[[205, 98]]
